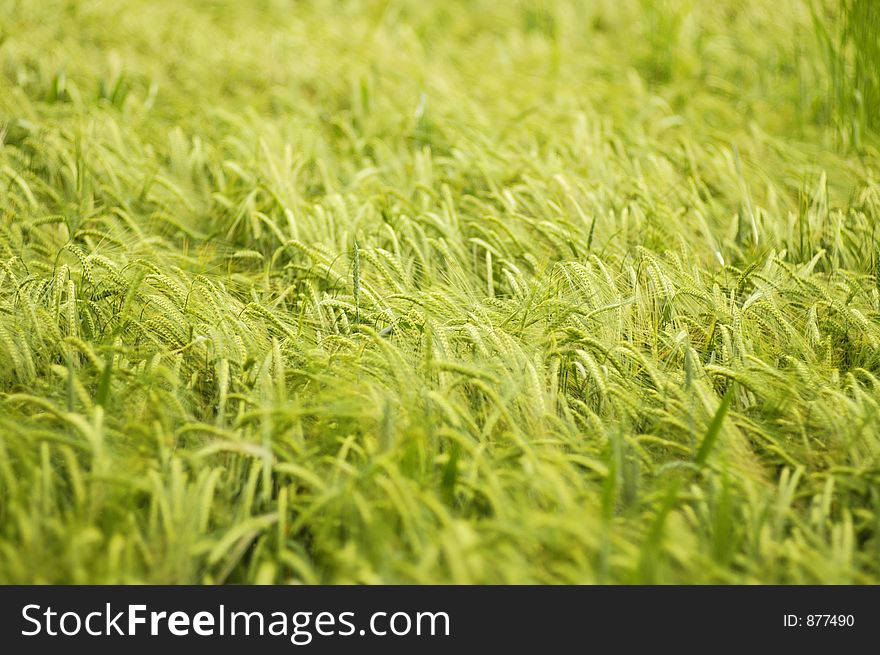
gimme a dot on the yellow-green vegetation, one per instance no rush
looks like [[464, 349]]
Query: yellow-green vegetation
[[439, 292]]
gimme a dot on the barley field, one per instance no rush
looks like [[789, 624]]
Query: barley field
[[399, 291]]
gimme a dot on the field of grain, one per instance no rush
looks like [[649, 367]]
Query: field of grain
[[400, 291]]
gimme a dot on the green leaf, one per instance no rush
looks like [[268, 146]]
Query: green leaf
[[714, 430]]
